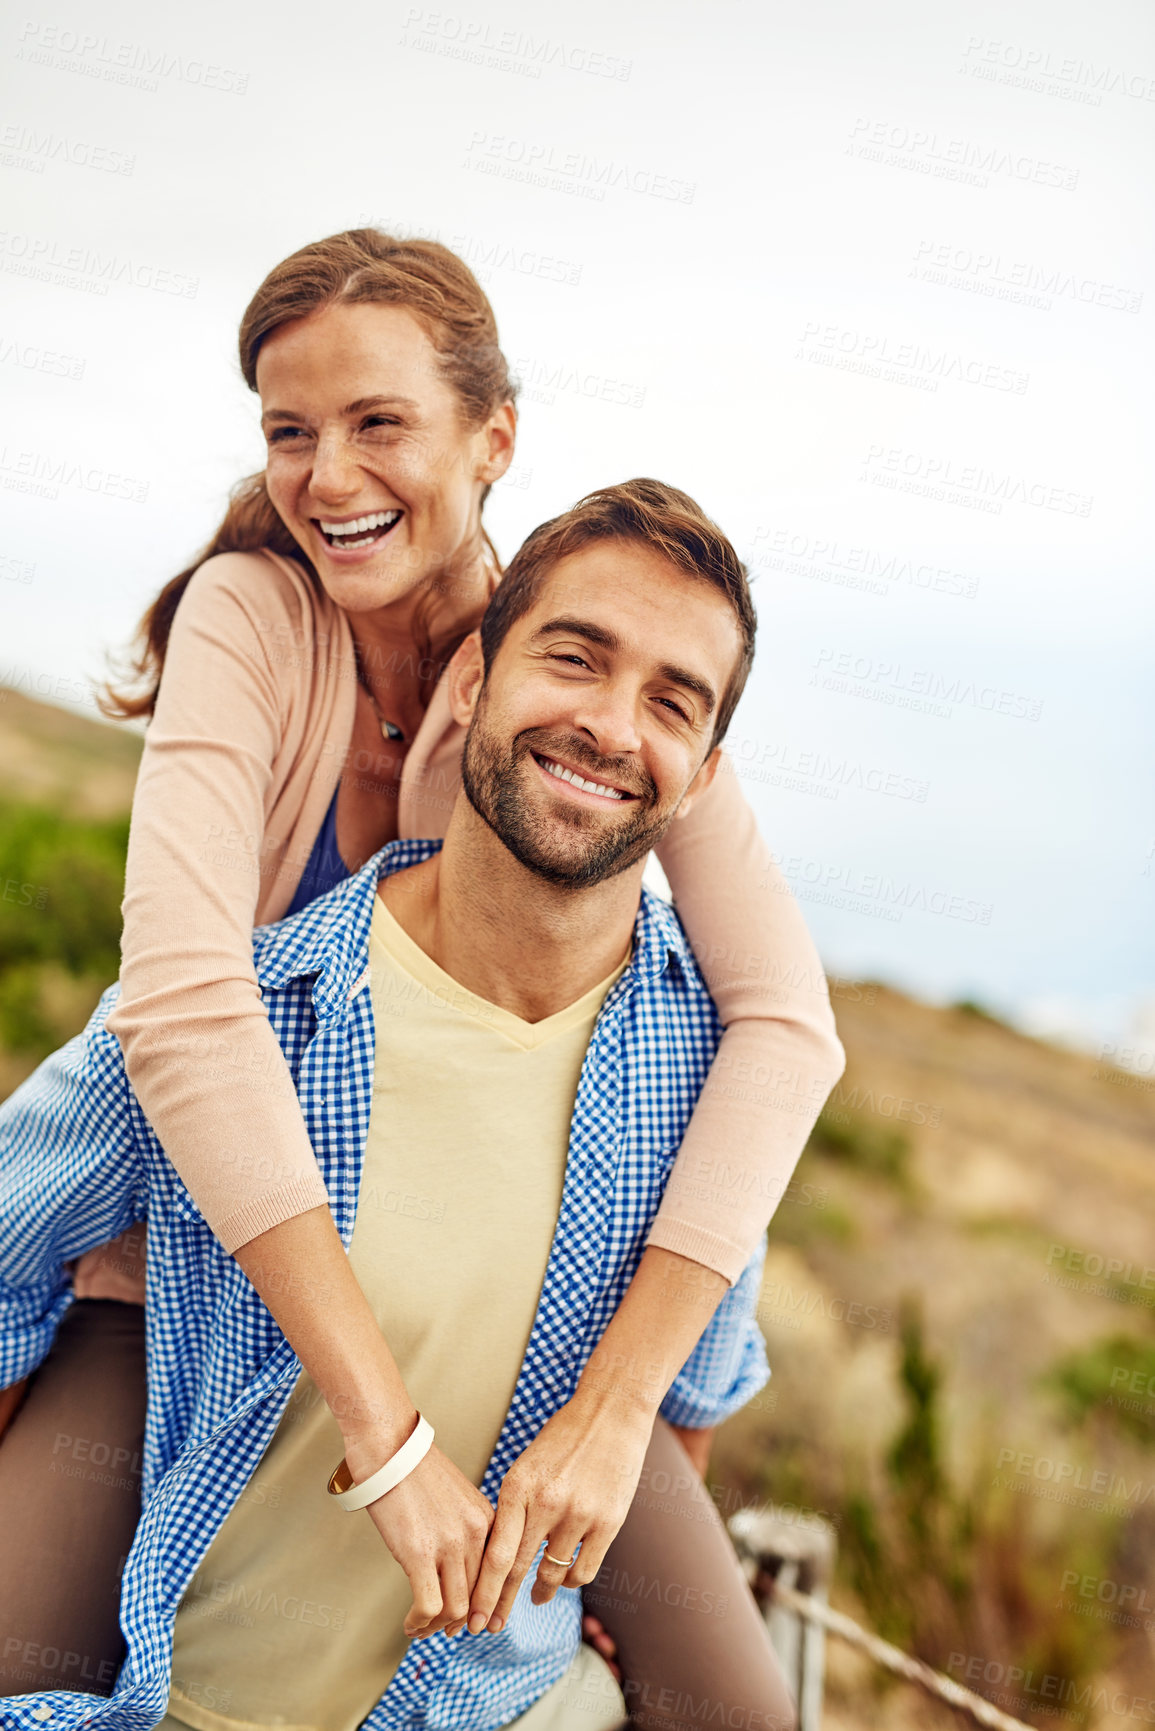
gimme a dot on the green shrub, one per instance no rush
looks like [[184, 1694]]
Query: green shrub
[[939, 1572], [61, 884], [1097, 1382], [881, 1150]]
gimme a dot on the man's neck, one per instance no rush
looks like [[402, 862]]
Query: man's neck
[[503, 932]]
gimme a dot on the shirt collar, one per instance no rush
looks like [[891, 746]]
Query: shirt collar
[[330, 938]]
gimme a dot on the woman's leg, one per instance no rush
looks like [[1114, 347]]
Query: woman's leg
[[691, 1641], [69, 1503]]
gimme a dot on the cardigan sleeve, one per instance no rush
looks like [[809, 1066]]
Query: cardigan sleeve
[[780, 1054], [199, 1050]]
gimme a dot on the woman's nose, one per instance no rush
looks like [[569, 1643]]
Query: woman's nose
[[335, 474]]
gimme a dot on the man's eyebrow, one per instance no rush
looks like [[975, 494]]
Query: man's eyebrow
[[357, 408], [579, 628], [604, 639]]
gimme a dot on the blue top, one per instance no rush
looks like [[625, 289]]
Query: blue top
[[79, 1164], [325, 869]]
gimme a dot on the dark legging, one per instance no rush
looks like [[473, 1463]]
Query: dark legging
[[69, 1503], [691, 1643]]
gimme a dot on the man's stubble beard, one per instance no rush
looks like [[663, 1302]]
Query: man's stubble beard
[[491, 783]]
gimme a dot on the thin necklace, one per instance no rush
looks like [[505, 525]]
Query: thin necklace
[[389, 729]]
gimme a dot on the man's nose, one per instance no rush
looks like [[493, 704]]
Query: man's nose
[[609, 714], [336, 474]]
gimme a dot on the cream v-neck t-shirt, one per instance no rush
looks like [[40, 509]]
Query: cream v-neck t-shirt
[[294, 1618]]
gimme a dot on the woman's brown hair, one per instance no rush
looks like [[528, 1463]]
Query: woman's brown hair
[[360, 265]]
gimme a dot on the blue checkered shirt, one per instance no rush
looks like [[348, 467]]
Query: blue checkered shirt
[[79, 1164]]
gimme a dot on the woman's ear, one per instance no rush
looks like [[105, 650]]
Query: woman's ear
[[499, 435], [465, 676]]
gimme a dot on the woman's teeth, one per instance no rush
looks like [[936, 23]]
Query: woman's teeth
[[358, 531], [579, 781]]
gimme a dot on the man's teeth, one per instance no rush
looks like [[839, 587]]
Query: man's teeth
[[344, 533], [579, 781]]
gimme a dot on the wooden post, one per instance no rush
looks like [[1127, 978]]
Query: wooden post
[[795, 1551]]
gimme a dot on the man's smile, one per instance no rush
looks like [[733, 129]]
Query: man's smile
[[580, 786]]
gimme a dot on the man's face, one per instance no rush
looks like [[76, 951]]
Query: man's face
[[613, 677]]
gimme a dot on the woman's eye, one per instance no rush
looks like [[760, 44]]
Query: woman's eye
[[282, 435], [373, 422]]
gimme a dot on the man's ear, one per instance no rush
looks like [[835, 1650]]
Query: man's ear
[[464, 678], [499, 435], [700, 782]]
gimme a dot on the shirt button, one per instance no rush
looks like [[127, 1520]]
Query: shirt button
[[42, 1712]]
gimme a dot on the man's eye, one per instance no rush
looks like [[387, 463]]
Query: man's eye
[[668, 703], [373, 421], [282, 435], [570, 657]]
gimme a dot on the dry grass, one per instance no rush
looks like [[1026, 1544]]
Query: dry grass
[[969, 1169], [56, 758]]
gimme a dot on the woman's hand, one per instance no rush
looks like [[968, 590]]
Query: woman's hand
[[572, 1486], [435, 1522]]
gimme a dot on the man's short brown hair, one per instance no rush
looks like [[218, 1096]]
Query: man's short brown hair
[[652, 515]]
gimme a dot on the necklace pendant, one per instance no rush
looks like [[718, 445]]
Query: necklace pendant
[[390, 730]]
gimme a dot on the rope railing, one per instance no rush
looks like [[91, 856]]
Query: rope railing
[[812, 1610], [788, 1557]]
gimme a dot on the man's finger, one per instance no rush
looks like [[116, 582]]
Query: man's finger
[[501, 1550]]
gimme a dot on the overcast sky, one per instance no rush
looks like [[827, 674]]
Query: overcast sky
[[874, 283]]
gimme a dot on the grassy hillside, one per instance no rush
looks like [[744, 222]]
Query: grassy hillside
[[64, 761], [65, 790], [960, 1310], [959, 1298]]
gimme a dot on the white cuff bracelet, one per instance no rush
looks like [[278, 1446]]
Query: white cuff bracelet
[[411, 1453]]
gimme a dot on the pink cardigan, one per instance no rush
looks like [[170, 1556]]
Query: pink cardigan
[[241, 759]]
